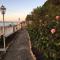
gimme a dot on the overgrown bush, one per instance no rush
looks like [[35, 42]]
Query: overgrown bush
[[45, 41], [44, 30]]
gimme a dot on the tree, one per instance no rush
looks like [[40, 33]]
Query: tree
[[55, 2]]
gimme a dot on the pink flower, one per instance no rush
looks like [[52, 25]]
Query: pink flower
[[57, 17], [53, 31]]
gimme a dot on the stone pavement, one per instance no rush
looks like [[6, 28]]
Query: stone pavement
[[21, 47]]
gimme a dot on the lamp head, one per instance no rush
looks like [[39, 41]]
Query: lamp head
[[3, 9]]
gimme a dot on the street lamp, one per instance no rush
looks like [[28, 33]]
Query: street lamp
[[19, 23], [3, 9], [19, 20]]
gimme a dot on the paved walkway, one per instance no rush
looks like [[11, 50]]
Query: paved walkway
[[21, 48]]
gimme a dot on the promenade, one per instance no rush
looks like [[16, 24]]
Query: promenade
[[20, 49]]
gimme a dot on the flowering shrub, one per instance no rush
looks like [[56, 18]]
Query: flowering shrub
[[46, 39]]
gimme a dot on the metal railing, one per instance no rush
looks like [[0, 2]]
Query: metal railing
[[9, 30]]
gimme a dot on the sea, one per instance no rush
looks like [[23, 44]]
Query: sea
[[8, 23], [8, 30]]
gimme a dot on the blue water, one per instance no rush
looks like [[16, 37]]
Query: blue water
[[8, 30], [8, 23]]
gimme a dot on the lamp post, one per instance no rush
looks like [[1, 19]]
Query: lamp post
[[3, 9], [19, 21]]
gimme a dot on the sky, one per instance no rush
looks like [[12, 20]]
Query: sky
[[16, 9]]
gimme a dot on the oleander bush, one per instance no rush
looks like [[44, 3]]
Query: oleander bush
[[44, 30]]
